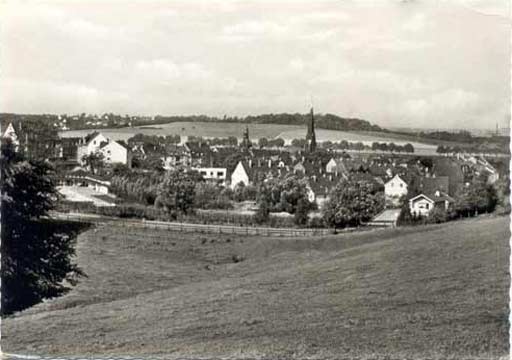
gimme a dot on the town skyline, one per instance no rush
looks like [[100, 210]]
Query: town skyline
[[395, 65]]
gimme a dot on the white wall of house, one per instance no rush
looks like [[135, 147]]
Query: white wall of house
[[213, 173], [421, 205], [114, 152], [10, 133], [239, 175], [331, 166], [94, 144], [91, 147], [394, 189]]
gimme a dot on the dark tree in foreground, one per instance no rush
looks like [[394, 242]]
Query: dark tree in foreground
[[36, 252]]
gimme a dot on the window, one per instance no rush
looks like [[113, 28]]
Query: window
[[401, 185], [203, 173], [220, 173], [426, 206]]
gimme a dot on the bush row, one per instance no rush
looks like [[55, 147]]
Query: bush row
[[136, 211]]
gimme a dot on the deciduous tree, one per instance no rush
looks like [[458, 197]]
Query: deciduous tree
[[352, 203], [37, 253]]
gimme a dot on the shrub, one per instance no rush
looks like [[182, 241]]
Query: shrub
[[316, 222], [352, 203], [437, 215]]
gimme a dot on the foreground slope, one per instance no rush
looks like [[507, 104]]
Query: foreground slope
[[434, 291]]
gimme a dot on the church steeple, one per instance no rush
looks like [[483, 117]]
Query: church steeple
[[246, 142], [310, 136]]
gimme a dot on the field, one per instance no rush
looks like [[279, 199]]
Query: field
[[435, 291], [287, 132], [205, 129]]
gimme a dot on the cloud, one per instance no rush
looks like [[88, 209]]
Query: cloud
[[320, 36], [416, 23], [322, 17], [167, 70], [389, 62], [485, 7], [84, 28], [250, 30], [442, 109]]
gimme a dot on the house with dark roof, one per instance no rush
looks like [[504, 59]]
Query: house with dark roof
[[320, 186], [451, 169], [176, 156], [200, 153]]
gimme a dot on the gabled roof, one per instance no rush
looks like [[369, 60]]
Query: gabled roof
[[433, 197], [90, 137], [398, 177]]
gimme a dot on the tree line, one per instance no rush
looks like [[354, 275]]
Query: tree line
[[324, 121]]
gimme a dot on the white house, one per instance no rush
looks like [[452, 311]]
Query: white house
[[394, 189], [239, 175], [114, 152], [91, 146], [331, 166], [10, 133], [423, 204], [336, 166], [217, 174]]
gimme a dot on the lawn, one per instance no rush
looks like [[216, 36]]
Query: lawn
[[437, 291]]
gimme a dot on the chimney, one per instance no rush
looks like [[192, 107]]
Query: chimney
[[250, 163], [269, 163], [438, 193]]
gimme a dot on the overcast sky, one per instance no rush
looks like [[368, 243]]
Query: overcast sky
[[422, 63]]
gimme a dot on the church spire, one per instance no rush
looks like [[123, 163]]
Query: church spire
[[246, 142], [310, 136]]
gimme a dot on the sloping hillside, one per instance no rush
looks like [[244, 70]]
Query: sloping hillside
[[436, 292]]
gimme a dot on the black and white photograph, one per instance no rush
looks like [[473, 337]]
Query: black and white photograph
[[255, 179]]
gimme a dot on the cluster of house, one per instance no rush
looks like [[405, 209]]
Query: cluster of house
[[439, 186], [433, 184]]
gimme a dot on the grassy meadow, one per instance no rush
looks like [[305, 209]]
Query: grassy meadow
[[437, 292]]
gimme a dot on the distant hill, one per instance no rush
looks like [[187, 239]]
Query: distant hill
[[322, 121]]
